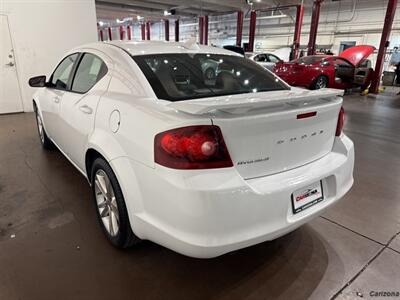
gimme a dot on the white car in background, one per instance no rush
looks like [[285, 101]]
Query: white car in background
[[201, 166], [267, 60]]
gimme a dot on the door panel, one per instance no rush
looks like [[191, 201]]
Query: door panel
[[52, 95], [75, 123], [76, 116], [49, 106], [10, 95]]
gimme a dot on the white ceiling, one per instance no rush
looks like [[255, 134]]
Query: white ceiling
[[153, 9]]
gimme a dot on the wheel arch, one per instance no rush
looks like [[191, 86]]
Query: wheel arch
[[126, 176], [101, 144]]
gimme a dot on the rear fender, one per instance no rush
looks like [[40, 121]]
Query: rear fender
[[122, 166]]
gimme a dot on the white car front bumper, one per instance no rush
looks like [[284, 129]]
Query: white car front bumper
[[206, 213]]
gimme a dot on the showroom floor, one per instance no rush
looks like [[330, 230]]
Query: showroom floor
[[52, 248]]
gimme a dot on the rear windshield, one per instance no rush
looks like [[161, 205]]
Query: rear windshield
[[177, 77]]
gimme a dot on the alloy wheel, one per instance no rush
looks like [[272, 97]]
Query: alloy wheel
[[40, 127], [321, 83], [106, 202]]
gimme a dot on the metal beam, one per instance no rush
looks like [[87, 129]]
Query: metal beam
[[121, 32], [205, 30], [177, 30], [297, 31], [148, 28], [387, 27], [201, 30], [109, 34], [143, 30], [101, 35], [314, 26], [252, 30], [166, 29], [129, 32], [239, 28]]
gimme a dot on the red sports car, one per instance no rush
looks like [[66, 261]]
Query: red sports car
[[351, 68]]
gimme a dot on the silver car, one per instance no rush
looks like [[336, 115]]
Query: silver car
[[267, 60]]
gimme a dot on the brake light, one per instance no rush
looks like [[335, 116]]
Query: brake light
[[192, 147], [340, 122]]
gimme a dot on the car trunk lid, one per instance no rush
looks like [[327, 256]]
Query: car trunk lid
[[357, 54], [272, 132]]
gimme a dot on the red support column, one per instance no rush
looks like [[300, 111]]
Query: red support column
[[177, 30], [205, 30], [239, 28], [201, 30], [109, 34], [387, 27], [143, 30], [101, 35], [166, 29], [129, 32], [121, 32], [314, 26], [148, 31], [252, 31], [297, 31]]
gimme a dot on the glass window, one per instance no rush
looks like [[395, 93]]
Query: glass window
[[308, 60], [260, 58], [177, 77], [90, 70], [274, 59], [60, 77]]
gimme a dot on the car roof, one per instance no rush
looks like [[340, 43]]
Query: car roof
[[135, 48]]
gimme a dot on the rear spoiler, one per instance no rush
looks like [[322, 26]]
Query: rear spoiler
[[244, 102]]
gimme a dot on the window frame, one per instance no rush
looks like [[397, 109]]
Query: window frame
[[75, 70], [69, 82]]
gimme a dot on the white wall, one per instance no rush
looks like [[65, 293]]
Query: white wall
[[42, 31]]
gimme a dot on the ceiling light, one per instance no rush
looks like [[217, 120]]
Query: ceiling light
[[273, 17], [101, 23], [167, 13], [139, 17]]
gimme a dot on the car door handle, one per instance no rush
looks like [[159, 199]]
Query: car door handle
[[10, 64], [86, 109], [56, 99]]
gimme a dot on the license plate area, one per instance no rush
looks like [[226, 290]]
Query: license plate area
[[307, 196]]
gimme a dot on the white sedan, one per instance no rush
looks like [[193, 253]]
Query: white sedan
[[267, 60], [202, 166]]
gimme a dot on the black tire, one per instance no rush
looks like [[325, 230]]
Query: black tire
[[209, 73], [44, 139], [320, 82], [125, 237]]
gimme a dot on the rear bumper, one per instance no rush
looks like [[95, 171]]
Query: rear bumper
[[208, 213]]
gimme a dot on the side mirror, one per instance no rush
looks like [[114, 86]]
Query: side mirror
[[38, 81]]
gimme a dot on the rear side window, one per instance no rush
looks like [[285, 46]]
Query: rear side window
[[61, 74], [90, 70], [177, 77], [273, 58]]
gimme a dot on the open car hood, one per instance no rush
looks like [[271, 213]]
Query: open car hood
[[357, 54]]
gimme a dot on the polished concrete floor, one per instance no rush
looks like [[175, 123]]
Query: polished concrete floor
[[51, 246]]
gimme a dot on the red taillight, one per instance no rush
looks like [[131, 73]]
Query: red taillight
[[340, 122], [307, 115], [192, 147]]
